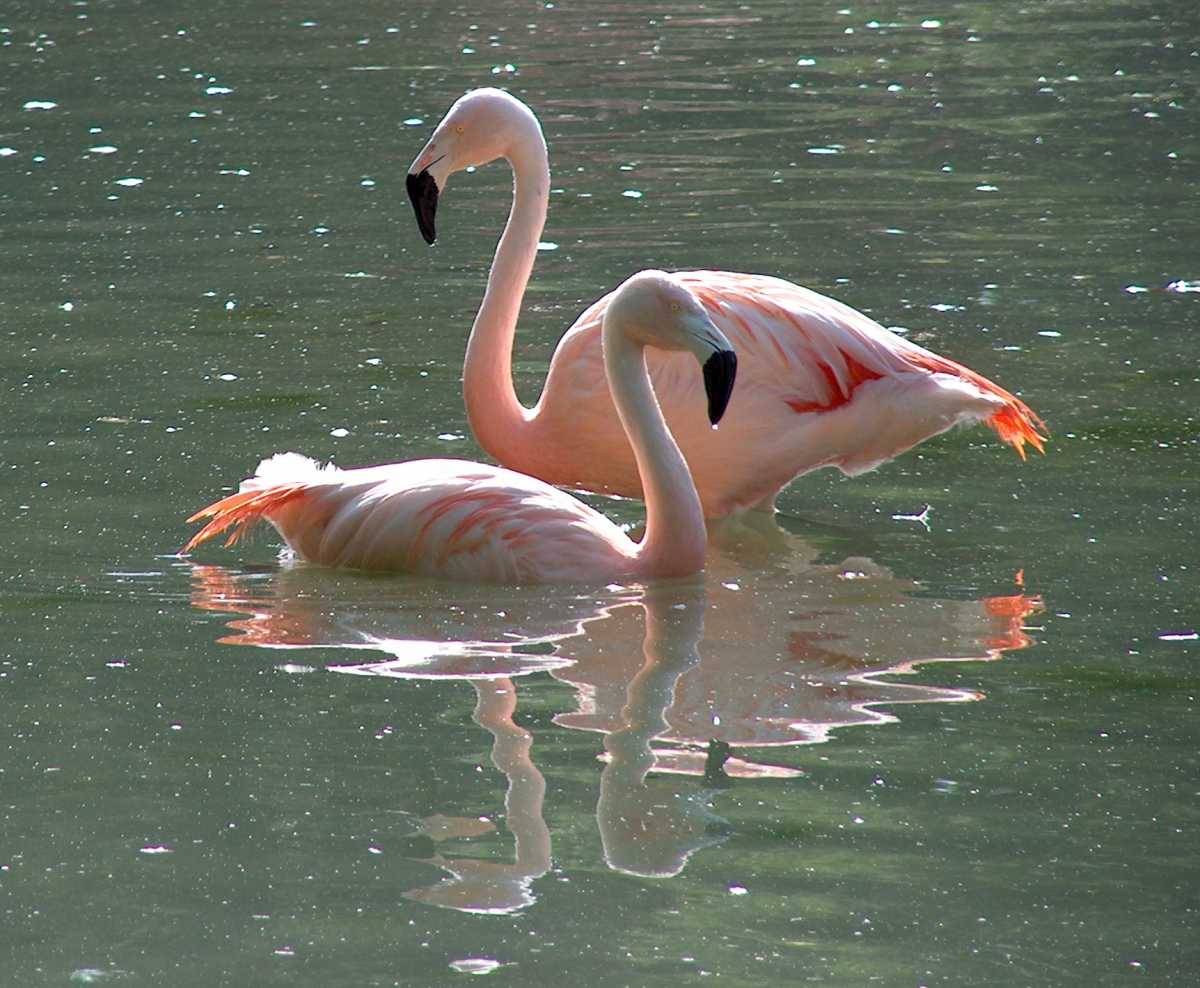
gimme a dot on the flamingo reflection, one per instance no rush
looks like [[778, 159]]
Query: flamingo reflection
[[676, 677]]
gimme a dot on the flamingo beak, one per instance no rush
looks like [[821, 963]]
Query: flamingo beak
[[720, 371], [423, 194]]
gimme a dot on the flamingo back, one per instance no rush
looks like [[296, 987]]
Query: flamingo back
[[446, 518]]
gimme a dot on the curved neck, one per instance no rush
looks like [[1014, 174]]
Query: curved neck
[[496, 415], [676, 540]]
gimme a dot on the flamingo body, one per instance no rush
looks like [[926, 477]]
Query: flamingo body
[[823, 384], [437, 517], [473, 521], [831, 388]]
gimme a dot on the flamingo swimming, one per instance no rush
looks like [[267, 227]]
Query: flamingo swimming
[[823, 384], [473, 521]]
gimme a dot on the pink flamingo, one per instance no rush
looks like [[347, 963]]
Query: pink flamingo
[[823, 385], [473, 521]]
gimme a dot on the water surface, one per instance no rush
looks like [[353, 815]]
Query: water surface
[[864, 748]]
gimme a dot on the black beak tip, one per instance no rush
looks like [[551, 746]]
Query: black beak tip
[[423, 194], [720, 371]]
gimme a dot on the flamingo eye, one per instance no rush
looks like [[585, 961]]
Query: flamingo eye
[[675, 307], [460, 129]]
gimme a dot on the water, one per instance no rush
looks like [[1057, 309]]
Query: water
[[227, 770]]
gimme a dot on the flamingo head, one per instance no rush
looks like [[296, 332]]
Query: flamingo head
[[653, 308], [481, 126]]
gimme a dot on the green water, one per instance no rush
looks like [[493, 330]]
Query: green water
[[231, 771]]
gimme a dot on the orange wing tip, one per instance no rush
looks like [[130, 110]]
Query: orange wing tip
[[1017, 424], [240, 512]]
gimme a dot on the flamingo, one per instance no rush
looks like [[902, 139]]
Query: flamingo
[[828, 386], [473, 521]]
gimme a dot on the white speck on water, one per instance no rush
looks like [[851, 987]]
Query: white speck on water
[[1135, 289], [1053, 333], [1182, 287], [731, 585], [227, 377], [129, 182], [196, 115], [930, 24], [413, 122], [295, 668], [475, 965], [231, 305], [806, 61], [7, 152], [374, 361], [102, 149], [987, 188], [507, 68], [738, 890], [632, 194], [93, 975], [234, 171], [372, 849], [339, 433], [450, 437], [367, 183], [320, 231], [547, 245], [40, 104], [156, 849], [1179, 636], [217, 91], [67, 306], [824, 150], [284, 951]]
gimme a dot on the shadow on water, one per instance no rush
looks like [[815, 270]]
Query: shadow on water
[[685, 685]]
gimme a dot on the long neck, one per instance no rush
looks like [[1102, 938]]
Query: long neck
[[497, 417], [675, 539]]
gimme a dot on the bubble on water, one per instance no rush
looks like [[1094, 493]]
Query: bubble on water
[[156, 849], [339, 433], [227, 377], [217, 91], [632, 194], [102, 149], [40, 104], [129, 182], [413, 122]]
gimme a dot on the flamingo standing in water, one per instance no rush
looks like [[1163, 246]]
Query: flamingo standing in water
[[473, 521], [823, 385]]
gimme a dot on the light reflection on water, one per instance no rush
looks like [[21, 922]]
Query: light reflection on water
[[674, 680]]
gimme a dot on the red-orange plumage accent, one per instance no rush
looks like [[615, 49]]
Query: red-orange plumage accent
[[856, 374], [241, 511]]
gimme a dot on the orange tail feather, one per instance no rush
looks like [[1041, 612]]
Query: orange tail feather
[[1016, 423], [241, 511]]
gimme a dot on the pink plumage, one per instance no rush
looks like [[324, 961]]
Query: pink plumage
[[822, 384], [473, 521]]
